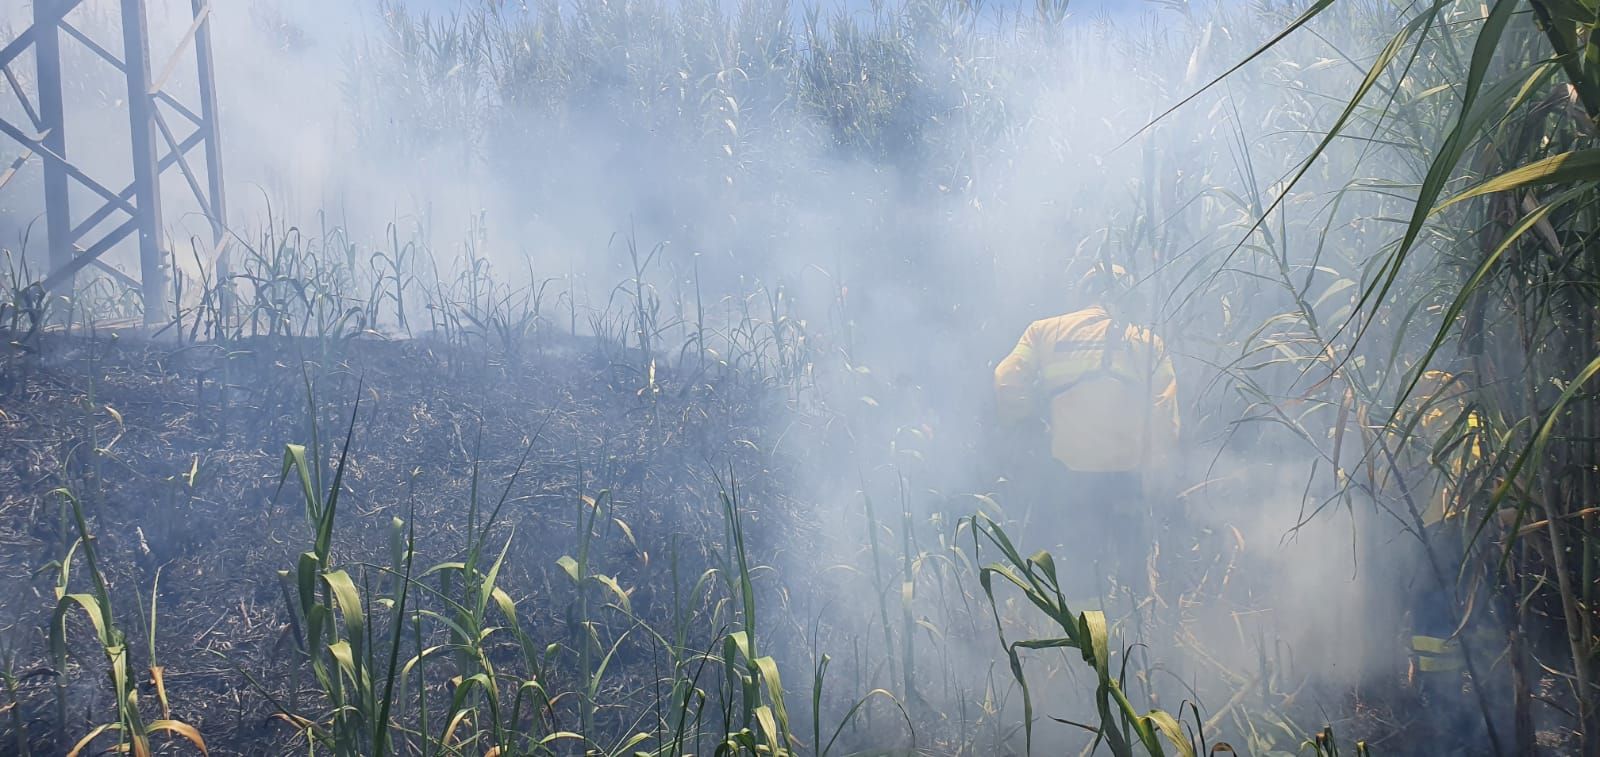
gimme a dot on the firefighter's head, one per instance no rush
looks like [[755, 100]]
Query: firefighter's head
[[1449, 382], [1438, 383], [1436, 393], [1108, 285]]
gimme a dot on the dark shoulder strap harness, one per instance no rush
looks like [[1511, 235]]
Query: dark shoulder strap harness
[[1107, 346]]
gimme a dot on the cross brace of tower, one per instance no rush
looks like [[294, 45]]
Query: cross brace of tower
[[155, 143]]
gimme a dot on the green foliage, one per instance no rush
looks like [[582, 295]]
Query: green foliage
[[132, 729], [1121, 726]]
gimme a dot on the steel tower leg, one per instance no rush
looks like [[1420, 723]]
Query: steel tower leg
[[146, 177], [52, 122]]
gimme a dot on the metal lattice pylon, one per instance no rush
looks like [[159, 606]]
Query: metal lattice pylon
[[148, 103]]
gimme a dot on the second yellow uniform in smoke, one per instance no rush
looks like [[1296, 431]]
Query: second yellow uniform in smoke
[[1108, 386]]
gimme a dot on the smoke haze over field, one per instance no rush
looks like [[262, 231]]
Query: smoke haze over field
[[896, 233]]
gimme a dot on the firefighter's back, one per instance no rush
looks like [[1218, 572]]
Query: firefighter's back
[[1098, 376]]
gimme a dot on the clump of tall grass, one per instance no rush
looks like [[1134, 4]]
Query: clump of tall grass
[[1122, 728], [1491, 271], [378, 649], [131, 727]]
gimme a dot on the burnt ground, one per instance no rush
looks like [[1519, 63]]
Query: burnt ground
[[176, 453]]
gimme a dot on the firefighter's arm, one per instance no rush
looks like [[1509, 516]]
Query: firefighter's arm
[[1014, 380], [1166, 401], [1161, 474]]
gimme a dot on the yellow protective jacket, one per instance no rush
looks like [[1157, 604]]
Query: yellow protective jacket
[[1436, 469], [1108, 386], [1443, 448]]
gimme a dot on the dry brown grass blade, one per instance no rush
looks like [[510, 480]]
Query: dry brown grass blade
[[1543, 523], [180, 728], [449, 733], [77, 748], [295, 721], [157, 679]]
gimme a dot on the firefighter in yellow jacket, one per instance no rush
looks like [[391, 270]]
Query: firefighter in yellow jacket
[[1105, 390], [1444, 448]]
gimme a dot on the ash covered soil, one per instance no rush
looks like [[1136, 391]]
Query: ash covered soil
[[176, 453]]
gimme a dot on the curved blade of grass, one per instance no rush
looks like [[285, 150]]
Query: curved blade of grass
[[1473, 283], [91, 736], [380, 739], [1469, 121], [180, 728], [1304, 18], [1168, 726], [1573, 166], [1534, 450]]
